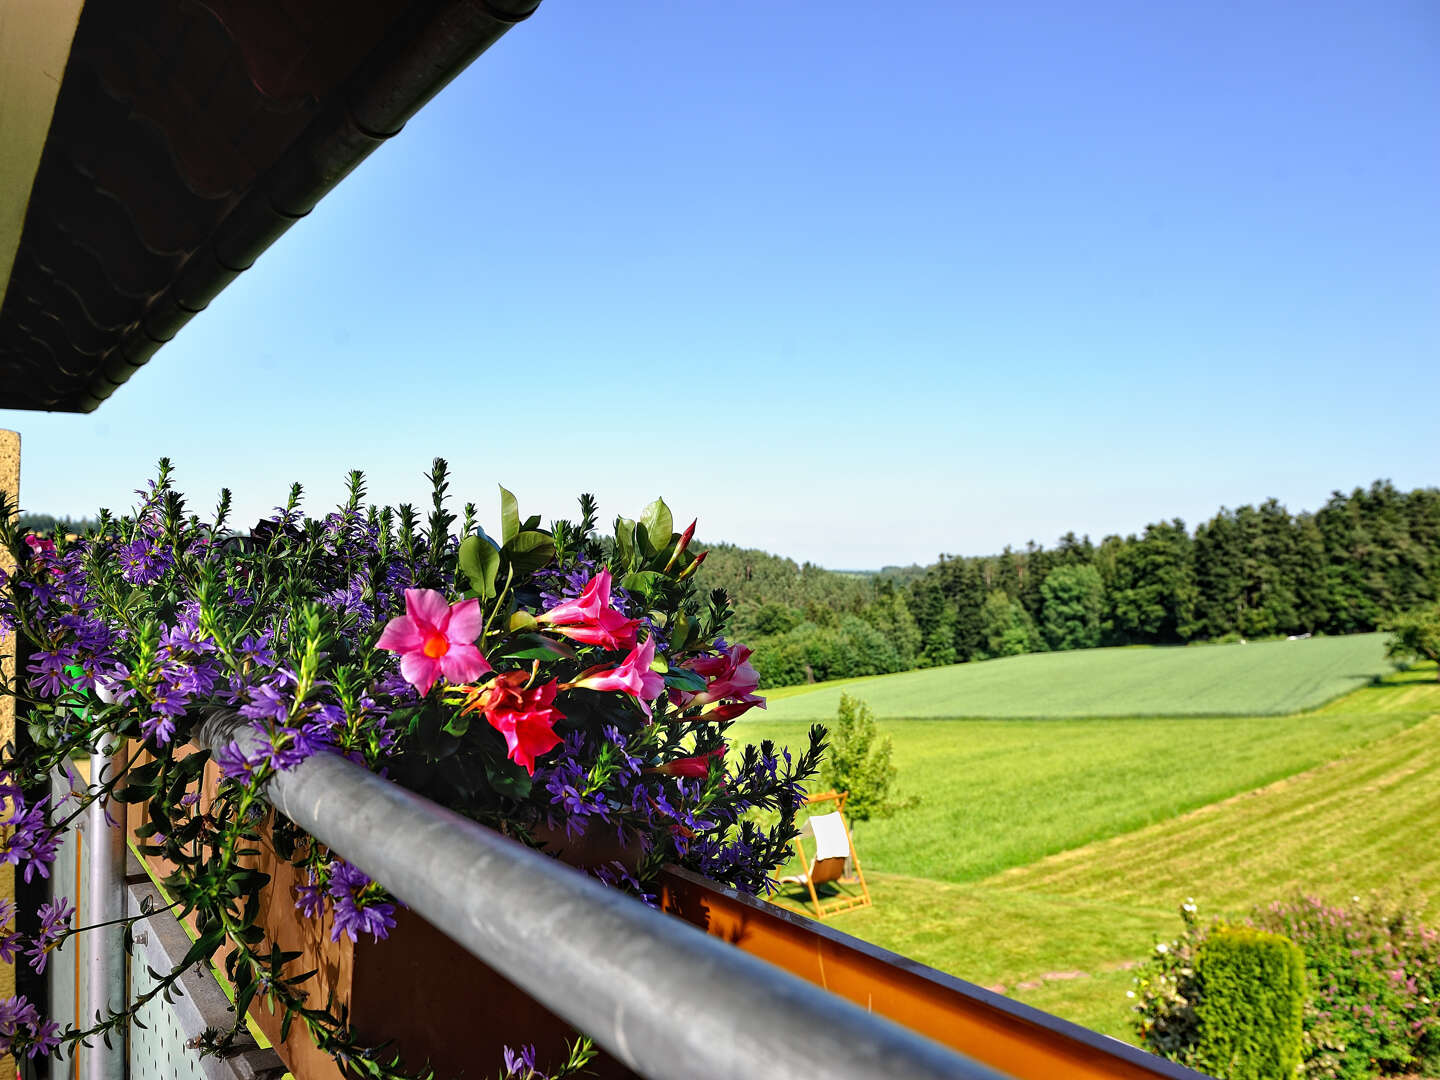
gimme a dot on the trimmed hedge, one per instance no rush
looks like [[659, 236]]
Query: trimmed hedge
[[1251, 1007]]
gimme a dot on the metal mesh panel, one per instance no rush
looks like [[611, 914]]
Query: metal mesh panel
[[159, 1050]]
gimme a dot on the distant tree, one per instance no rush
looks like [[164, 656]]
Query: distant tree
[[859, 761], [968, 596], [49, 523], [1416, 636], [1070, 550], [1073, 606], [1035, 567], [890, 615], [1153, 596], [772, 618], [939, 647], [1009, 630]]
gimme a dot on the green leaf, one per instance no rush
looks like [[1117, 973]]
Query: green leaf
[[458, 724], [529, 551], [511, 781], [642, 581], [480, 562], [536, 647], [684, 679], [658, 522], [625, 540], [509, 516]]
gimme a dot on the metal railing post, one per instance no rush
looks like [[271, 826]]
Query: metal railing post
[[104, 903]]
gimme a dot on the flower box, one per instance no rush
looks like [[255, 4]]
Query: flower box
[[417, 990]]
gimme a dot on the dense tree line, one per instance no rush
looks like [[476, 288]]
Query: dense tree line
[[1250, 572], [48, 524]]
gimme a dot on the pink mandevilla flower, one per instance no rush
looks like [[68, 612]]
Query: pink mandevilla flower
[[590, 619], [732, 680], [435, 638], [695, 768], [526, 718], [632, 677]]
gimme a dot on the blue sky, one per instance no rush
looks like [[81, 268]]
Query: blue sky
[[854, 284]]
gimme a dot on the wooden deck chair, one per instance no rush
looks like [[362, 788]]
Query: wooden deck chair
[[834, 852]]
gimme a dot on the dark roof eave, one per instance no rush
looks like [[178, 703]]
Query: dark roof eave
[[371, 107]]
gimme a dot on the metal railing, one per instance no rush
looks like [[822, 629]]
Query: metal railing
[[661, 996]]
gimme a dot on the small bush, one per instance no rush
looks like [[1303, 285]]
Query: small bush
[[1372, 976], [1374, 973], [858, 761], [1251, 1006]]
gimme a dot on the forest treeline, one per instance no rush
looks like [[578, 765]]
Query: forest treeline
[[1250, 572]]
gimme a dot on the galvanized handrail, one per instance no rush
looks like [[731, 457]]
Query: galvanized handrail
[[661, 996]]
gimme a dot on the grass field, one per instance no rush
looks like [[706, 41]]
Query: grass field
[[1048, 856], [1269, 678]]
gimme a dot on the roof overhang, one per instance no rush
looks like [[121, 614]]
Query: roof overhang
[[35, 38], [187, 136]]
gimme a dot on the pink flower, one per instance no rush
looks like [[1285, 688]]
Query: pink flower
[[591, 619], [696, 768], [730, 676], [525, 717], [633, 676], [435, 638]]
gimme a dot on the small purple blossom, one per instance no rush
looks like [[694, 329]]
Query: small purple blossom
[[356, 905], [22, 1030]]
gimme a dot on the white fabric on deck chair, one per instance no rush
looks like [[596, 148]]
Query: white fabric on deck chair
[[831, 840]]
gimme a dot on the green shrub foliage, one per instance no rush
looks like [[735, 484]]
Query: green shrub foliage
[[859, 761], [1374, 973], [1251, 1004], [1416, 636], [1372, 990]]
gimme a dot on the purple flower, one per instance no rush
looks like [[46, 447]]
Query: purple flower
[[235, 764], [519, 1064], [10, 941], [310, 899], [266, 700], [158, 726], [21, 1029], [54, 925], [358, 909]]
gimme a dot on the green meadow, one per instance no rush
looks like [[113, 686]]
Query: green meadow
[[1262, 678], [1047, 856]]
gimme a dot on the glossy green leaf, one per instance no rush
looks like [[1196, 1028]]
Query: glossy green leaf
[[625, 541], [480, 563], [509, 516], [529, 551], [659, 523], [642, 581], [539, 647], [684, 679]]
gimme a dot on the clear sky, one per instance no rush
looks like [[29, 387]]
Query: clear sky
[[854, 283]]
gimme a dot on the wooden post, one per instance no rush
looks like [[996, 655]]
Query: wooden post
[[10, 485]]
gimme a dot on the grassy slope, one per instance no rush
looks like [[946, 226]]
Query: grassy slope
[[1062, 932], [1003, 793], [1263, 678]]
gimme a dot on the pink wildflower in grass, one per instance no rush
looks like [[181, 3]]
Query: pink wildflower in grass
[[590, 619], [435, 638], [633, 676]]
